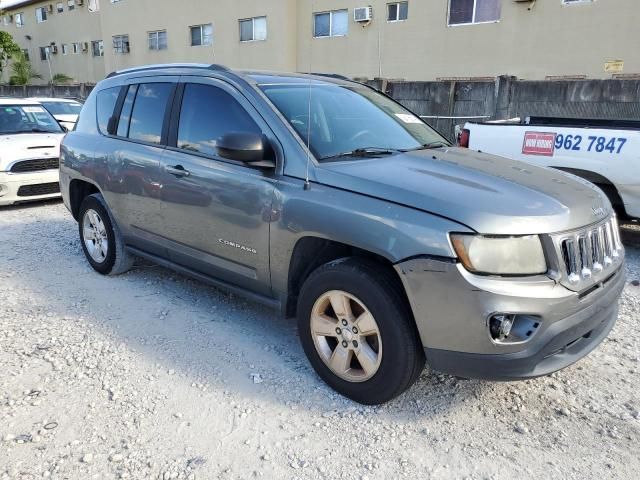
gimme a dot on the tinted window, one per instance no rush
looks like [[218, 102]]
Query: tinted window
[[125, 115], [207, 114], [106, 104], [62, 108], [148, 111]]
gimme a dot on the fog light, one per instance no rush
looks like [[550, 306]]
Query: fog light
[[507, 328], [500, 326]]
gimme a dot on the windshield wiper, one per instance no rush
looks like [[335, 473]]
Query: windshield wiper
[[363, 152], [427, 146], [40, 130]]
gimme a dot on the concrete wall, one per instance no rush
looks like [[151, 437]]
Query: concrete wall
[[548, 39]]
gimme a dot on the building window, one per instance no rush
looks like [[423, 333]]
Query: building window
[[252, 29], [121, 44], [93, 6], [19, 18], [398, 11], [71, 5], [60, 7], [158, 40], [464, 12], [201, 35], [41, 14], [572, 2], [97, 48], [44, 53], [75, 48], [331, 24], [65, 49], [25, 52]]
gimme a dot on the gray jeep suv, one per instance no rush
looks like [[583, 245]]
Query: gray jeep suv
[[330, 201]]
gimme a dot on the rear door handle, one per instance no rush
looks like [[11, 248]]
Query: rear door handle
[[177, 170]]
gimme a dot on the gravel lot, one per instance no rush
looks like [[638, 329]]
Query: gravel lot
[[152, 376]]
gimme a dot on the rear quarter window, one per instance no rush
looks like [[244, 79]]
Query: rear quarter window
[[106, 104]]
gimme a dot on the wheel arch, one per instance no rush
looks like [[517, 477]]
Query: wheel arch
[[78, 191], [311, 252]]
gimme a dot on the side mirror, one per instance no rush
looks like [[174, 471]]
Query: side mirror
[[244, 147]]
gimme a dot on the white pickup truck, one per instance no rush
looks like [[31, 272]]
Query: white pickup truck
[[605, 152]]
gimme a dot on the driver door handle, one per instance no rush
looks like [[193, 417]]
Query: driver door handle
[[177, 170]]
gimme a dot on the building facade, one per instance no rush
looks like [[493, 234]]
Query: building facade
[[412, 40]]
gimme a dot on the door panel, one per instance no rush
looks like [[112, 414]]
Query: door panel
[[216, 213]]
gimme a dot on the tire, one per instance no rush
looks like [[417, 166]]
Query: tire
[[96, 221], [369, 289]]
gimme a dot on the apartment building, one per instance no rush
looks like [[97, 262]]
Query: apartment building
[[412, 39]]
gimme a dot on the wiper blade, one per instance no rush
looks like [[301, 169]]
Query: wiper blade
[[40, 130], [363, 152], [427, 146]]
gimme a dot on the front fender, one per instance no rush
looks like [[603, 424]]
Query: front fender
[[392, 231]]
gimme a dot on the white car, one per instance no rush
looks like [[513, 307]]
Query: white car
[[29, 152], [604, 152], [64, 110]]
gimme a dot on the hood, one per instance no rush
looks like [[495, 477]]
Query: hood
[[490, 194], [28, 145]]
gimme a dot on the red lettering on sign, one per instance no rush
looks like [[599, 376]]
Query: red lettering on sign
[[539, 143]]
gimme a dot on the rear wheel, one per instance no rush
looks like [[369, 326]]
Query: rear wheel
[[358, 332], [101, 239]]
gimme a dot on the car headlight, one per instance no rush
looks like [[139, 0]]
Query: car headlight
[[521, 255]]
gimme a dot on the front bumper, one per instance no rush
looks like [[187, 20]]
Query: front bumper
[[451, 308], [33, 183]]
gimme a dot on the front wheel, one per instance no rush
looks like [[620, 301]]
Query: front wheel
[[358, 331]]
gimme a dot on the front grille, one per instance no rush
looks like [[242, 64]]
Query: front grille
[[591, 254], [35, 165], [39, 189]]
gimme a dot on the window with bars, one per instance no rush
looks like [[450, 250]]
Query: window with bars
[[121, 44], [201, 35], [397, 11], [97, 48], [465, 12], [157, 40], [41, 14], [331, 24], [253, 29]]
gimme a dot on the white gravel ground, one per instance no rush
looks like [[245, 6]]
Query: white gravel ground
[[153, 376]]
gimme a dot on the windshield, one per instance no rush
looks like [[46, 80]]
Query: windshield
[[63, 108], [27, 119], [345, 119]]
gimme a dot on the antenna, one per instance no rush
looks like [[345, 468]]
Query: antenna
[[307, 185]]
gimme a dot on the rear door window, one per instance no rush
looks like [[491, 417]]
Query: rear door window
[[208, 113], [149, 107], [125, 115]]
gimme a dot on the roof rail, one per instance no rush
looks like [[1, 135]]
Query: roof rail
[[331, 75], [203, 66]]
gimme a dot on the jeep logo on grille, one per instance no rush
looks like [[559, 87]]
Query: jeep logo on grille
[[598, 211]]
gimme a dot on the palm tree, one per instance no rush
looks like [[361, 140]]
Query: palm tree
[[22, 71], [60, 79]]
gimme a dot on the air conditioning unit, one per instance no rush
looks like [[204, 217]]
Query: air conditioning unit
[[363, 14], [85, 46]]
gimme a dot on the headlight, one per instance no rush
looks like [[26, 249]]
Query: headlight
[[500, 255]]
